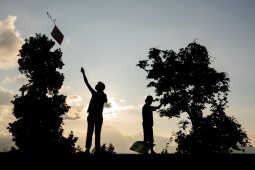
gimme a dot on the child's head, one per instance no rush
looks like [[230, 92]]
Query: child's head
[[100, 86], [149, 100]]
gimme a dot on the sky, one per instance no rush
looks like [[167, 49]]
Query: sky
[[108, 38]]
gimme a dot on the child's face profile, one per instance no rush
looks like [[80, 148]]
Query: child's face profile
[[149, 101]]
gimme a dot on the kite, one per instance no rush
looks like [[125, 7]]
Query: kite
[[140, 147], [56, 33]]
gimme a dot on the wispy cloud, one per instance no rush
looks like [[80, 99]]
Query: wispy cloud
[[74, 100], [6, 117], [65, 88], [74, 113], [5, 96], [113, 108], [5, 110], [77, 109], [19, 77], [10, 43], [6, 143]]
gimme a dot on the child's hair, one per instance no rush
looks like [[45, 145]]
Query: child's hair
[[149, 98], [100, 86]]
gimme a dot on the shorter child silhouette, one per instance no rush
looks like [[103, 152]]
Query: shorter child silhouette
[[148, 122]]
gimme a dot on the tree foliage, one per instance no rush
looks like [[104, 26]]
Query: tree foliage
[[185, 82], [106, 150], [39, 108], [217, 134]]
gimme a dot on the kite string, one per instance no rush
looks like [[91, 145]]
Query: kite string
[[52, 20]]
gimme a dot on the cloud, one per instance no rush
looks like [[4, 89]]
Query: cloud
[[19, 77], [6, 143], [10, 43], [5, 96], [74, 100], [6, 117], [64, 88], [75, 112], [77, 109], [122, 100], [112, 108]]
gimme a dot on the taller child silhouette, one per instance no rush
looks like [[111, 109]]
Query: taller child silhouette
[[95, 113]]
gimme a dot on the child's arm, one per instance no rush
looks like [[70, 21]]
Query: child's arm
[[86, 81], [154, 108], [159, 106]]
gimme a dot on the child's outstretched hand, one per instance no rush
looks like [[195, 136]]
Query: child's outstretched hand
[[82, 70]]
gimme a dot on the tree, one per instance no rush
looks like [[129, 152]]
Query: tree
[[218, 133], [39, 107], [184, 82]]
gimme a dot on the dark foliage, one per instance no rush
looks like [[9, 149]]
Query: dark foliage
[[184, 82], [106, 150], [39, 108], [217, 134]]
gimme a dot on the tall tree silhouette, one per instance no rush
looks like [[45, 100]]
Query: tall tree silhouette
[[185, 83], [39, 107]]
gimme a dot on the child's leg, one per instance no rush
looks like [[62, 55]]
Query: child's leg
[[146, 138], [151, 138], [90, 130]]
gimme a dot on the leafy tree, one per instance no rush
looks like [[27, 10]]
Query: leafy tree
[[218, 133], [184, 82], [39, 107]]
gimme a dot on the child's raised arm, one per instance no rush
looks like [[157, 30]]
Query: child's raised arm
[[86, 81]]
